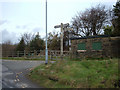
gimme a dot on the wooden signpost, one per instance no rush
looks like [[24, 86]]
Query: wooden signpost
[[63, 28]]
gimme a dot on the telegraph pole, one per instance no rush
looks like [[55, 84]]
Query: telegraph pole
[[46, 51]]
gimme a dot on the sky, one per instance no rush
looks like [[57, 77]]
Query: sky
[[28, 16]]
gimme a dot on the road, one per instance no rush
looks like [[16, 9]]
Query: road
[[14, 71]]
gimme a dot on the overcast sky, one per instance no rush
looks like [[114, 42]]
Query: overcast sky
[[20, 16]]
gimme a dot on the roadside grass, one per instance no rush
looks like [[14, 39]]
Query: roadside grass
[[77, 74], [25, 58], [41, 58], [21, 58]]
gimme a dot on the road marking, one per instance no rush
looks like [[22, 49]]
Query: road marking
[[24, 85], [16, 76], [18, 79]]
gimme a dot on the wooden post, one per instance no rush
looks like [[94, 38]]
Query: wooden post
[[51, 54], [24, 53], [17, 53], [69, 29], [61, 39], [61, 26], [12, 53], [34, 53]]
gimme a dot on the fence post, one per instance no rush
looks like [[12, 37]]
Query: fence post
[[24, 53], [51, 55], [34, 52], [17, 53], [12, 53], [40, 52]]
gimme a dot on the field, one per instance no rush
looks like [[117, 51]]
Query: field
[[77, 74]]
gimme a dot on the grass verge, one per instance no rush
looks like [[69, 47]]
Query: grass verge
[[21, 58], [25, 58], [77, 74]]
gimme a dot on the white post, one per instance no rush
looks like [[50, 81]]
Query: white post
[[61, 39], [46, 53]]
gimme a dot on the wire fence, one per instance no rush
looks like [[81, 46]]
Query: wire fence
[[37, 54]]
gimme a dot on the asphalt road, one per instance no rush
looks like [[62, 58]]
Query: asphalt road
[[13, 73]]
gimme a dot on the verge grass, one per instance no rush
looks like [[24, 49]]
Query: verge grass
[[77, 74], [26, 58], [20, 58]]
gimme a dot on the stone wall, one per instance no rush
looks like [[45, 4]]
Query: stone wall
[[110, 47], [115, 47]]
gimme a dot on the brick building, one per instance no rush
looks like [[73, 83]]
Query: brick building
[[95, 46]]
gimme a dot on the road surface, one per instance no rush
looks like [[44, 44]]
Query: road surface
[[14, 71]]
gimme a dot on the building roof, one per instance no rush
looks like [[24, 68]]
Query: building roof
[[97, 36]]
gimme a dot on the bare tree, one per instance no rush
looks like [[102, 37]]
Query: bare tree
[[90, 21], [28, 37]]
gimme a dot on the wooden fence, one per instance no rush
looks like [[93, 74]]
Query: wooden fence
[[40, 54]]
